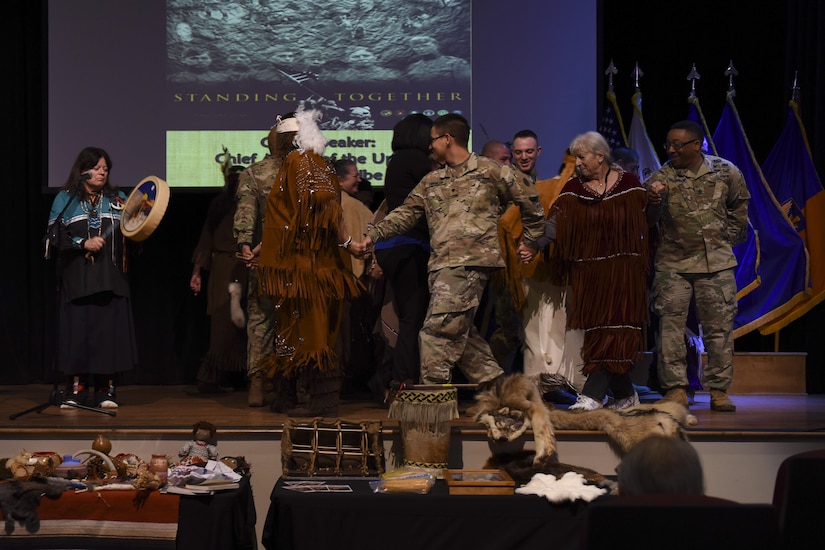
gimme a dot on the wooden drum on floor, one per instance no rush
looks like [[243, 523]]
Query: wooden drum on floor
[[425, 417]]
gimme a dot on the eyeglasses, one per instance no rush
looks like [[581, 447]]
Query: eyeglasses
[[436, 138], [676, 145]]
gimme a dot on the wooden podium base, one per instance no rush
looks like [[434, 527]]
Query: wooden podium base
[[753, 372]]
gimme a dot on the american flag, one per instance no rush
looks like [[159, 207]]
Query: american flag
[[611, 124]]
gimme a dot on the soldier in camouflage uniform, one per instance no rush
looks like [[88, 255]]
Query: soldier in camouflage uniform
[[253, 190], [701, 203], [462, 203]]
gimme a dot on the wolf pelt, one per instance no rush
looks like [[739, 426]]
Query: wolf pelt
[[514, 405]]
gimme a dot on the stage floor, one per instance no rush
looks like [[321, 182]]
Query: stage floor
[[173, 409]]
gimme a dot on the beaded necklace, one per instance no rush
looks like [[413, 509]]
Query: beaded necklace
[[92, 208]]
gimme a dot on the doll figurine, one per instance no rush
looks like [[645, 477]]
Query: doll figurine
[[199, 451]]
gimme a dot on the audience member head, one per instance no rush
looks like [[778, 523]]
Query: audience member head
[[627, 159], [498, 151], [684, 144], [348, 178], [526, 150], [661, 465], [412, 132]]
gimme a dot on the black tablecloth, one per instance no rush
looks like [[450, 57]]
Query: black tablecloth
[[222, 521], [364, 520]]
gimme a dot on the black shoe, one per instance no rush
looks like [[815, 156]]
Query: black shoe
[[106, 399], [74, 398]]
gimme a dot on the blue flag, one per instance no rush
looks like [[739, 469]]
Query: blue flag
[[782, 262], [792, 175], [747, 253], [696, 115]]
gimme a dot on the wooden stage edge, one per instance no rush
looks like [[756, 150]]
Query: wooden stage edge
[[171, 411]]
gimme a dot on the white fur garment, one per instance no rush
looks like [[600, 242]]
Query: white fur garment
[[570, 486]]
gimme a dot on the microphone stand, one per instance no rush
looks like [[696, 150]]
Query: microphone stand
[[57, 396]]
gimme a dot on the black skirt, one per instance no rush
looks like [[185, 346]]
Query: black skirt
[[97, 335]]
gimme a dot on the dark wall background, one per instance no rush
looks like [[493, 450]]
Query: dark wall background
[[778, 39]]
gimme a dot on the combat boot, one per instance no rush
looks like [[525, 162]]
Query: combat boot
[[719, 401], [677, 395]]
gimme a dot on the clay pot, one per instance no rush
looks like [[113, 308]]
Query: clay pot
[[159, 465], [71, 468]]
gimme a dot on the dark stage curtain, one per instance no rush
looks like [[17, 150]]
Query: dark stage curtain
[[767, 46]]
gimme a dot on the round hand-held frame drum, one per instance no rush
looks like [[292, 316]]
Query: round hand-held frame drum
[[144, 208]]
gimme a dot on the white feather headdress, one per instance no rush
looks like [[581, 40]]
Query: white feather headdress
[[309, 135]]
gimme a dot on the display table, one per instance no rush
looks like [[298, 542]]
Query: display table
[[104, 519], [364, 520], [111, 519]]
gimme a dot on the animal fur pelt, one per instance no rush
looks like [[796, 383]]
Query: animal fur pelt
[[20, 502], [236, 311], [514, 405]]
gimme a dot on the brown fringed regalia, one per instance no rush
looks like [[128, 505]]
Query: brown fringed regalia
[[601, 253], [300, 266]]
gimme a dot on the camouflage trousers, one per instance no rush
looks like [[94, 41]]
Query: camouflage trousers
[[716, 307], [508, 337], [449, 337], [260, 325]]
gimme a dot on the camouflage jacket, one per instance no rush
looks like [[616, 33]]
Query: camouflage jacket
[[462, 205], [701, 218], [253, 189]]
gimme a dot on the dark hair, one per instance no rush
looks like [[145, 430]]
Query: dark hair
[[225, 201], [526, 134], [690, 127], [624, 154], [412, 132], [86, 160], [455, 125], [342, 167], [661, 465]]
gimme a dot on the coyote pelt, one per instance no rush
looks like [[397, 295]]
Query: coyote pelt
[[514, 405], [236, 312]]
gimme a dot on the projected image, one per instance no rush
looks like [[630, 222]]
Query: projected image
[[364, 64]]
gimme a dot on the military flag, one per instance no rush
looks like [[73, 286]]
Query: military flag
[[792, 176], [638, 139], [783, 262]]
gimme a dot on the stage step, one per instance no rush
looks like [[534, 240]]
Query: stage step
[[753, 372]]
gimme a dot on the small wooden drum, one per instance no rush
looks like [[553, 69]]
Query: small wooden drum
[[144, 208], [425, 417]]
